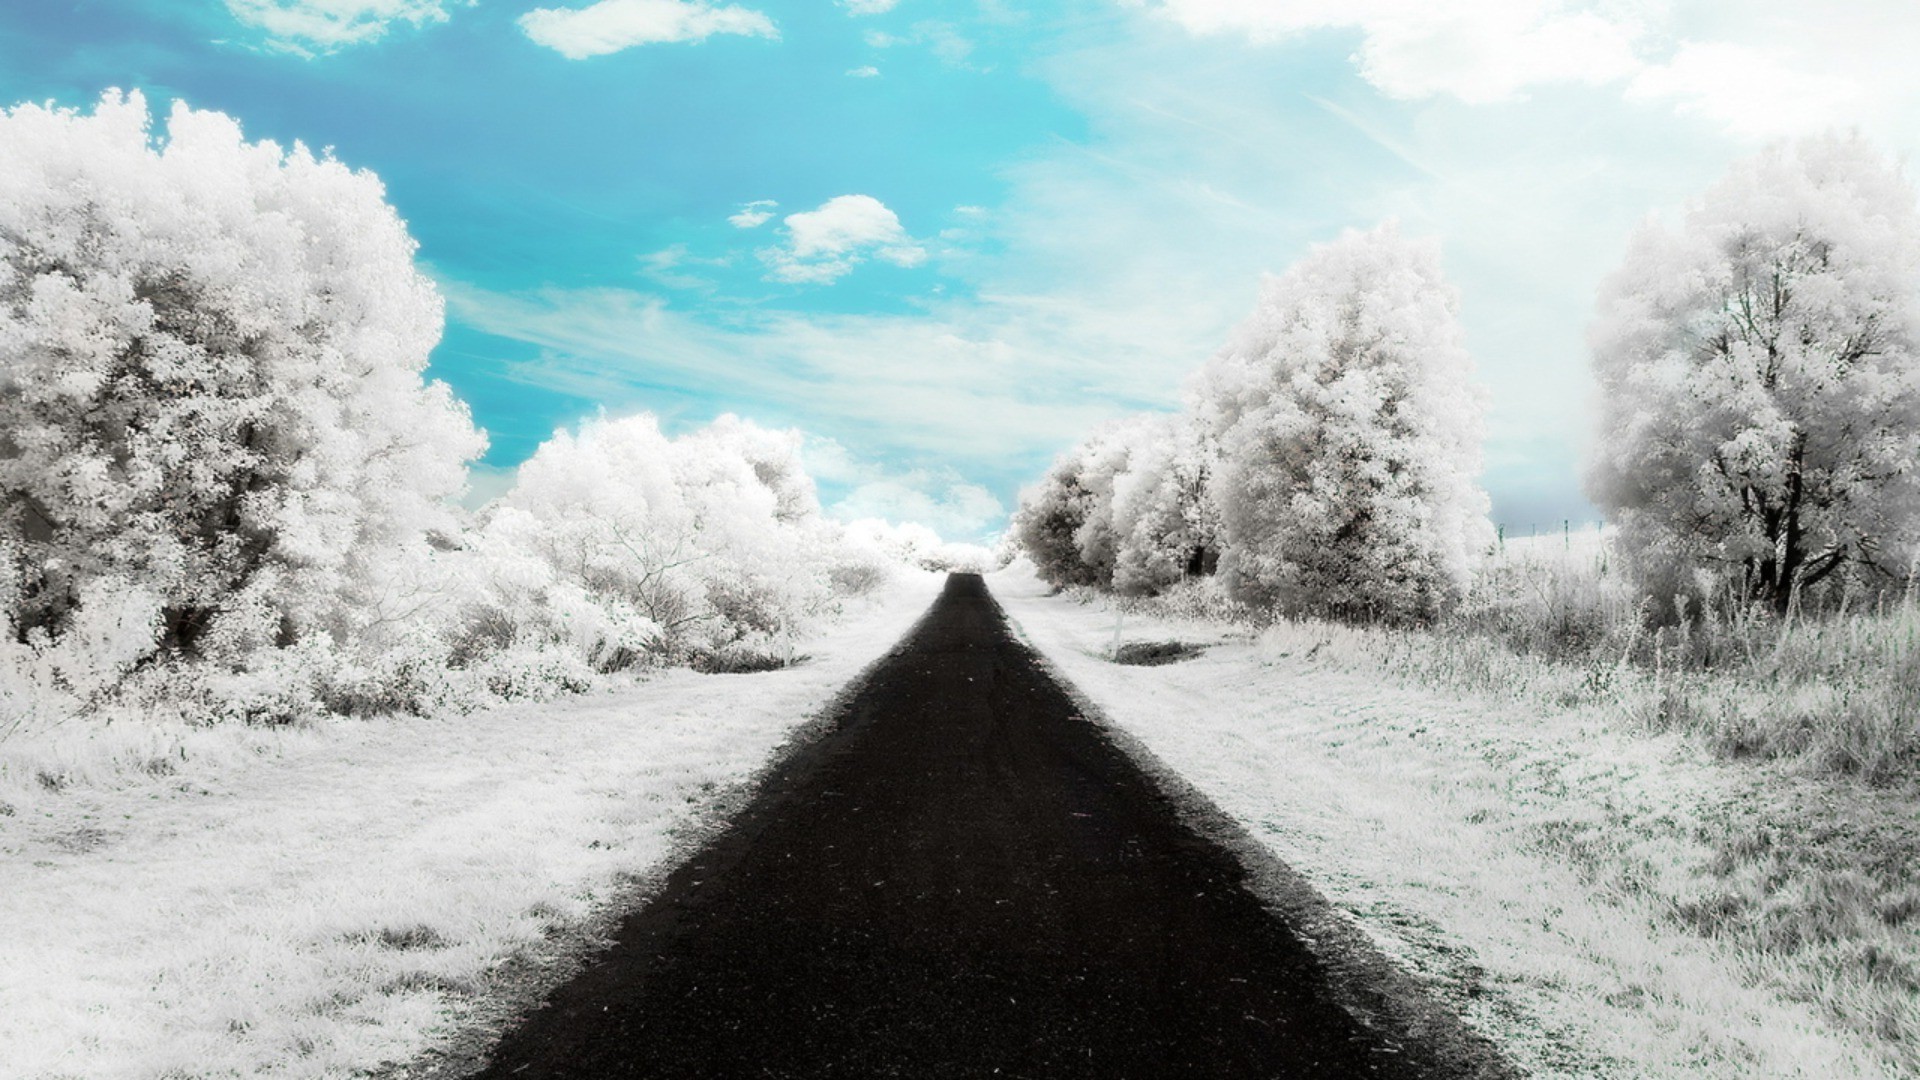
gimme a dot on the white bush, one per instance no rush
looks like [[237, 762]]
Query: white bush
[[211, 402], [916, 545], [620, 546]]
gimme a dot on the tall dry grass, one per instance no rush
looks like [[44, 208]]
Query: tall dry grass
[[1837, 692]]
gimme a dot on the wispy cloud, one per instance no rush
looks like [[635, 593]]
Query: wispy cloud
[[314, 27], [868, 7], [866, 72], [986, 386], [612, 25], [669, 266], [947, 43], [753, 214]]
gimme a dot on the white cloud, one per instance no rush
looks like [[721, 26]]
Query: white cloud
[[311, 27], [754, 214], [669, 266], [948, 44], [1754, 68], [826, 243], [486, 483], [612, 25], [868, 7], [951, 509], [867, 72], [938, 498], [1749, 91], [1478, 51], [976, 385]]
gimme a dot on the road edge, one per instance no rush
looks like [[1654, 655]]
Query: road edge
[[523, 982], [1376, 992]]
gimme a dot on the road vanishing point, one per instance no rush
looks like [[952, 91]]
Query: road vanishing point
[[961, 875]]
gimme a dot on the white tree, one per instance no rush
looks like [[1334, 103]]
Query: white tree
[[211, 393], [1167, 527], [1349, 433], [677, 548], [1760, 380], [1065, 522], [1048, 521]]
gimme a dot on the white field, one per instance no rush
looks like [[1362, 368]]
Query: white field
[[1419, 814], [314, 903]]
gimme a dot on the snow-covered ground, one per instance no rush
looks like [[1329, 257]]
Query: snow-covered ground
[[1440, 824], [322, 901]]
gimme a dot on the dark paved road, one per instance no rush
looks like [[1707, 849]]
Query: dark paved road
[[960, 879]]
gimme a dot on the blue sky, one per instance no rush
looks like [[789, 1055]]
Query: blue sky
[[946, 238]]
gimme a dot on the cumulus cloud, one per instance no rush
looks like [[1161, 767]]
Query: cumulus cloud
[[612, 25], [950, 509], [826, 243], [753, 214], [312, 27], [1748, 90], [939, 499], [1479, 52], [1756, 68]]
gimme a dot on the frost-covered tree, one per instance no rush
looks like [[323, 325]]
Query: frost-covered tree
[[916, 545], [1065, 522], [1048, 519], [1167, 527], [212, 411], [1349, 433], [676, 548], [1760, 377]]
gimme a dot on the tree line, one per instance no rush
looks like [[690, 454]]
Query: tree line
[[1758, 436], [226, 486]]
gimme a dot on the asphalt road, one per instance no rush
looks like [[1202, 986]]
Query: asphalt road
[[960, 878]]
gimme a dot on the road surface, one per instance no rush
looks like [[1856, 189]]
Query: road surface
[[961, 878]]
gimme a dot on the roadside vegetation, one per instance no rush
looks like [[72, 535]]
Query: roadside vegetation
[[1751, 607], [228, 491], [1760, 429], [1600, 899]]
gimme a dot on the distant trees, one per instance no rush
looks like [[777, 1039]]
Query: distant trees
[[1761, 381], [215, 440], [1327, 462], [1123, 508]]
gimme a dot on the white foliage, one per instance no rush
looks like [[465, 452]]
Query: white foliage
[[210, 386], [624, 544], [913, 544], [1065, 522], [1349, 432], [1761, 385], [1166, 527]]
